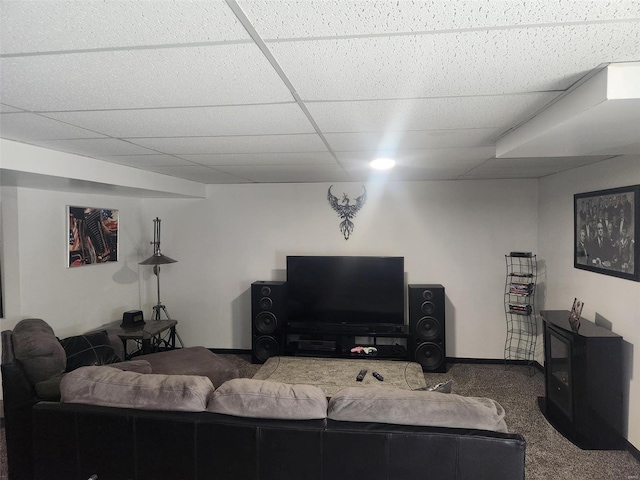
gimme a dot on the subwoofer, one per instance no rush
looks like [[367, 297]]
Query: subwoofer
[[427, 327], [268, 312]]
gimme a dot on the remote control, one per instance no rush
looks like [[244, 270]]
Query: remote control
[[378, 376], [361, 375]]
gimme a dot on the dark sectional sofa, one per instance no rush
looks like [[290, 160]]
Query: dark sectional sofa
[[74, 441], [137, 425]]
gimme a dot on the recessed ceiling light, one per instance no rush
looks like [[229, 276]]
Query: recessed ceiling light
[[383, 163]]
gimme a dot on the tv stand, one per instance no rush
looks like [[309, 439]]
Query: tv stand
[[337, 340]]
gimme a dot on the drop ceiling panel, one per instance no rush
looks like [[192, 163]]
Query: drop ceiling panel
[[499, 112], [203, 121], [360, 173], [528, 167], [41, 26], [93, 147], [29, 126], [290, 173], [511, 61], [309, 158], [280, 20], [8, 109], [388, 142], [165, 77], [197, 90], [438, 157], [235, 144]]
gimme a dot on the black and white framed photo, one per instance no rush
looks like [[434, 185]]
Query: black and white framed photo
[[606, 232]]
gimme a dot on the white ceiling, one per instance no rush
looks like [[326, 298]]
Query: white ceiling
[[306, 91]]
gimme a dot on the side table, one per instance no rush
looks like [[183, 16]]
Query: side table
[[149, 338]]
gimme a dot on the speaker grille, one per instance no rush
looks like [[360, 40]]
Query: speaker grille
[[428, 308], [429, 355], [265, 303], [428, 328], [266, 323], [268, 319], [265, 347], [427, 343]]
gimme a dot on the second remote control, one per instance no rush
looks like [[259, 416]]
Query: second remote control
[[378, 376], [361, 375]]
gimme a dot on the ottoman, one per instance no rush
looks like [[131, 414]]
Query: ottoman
[[192, 361]]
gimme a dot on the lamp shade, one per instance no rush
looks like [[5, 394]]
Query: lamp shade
[[157, 259]]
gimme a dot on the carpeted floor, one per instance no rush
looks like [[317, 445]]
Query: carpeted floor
[[549, 455]]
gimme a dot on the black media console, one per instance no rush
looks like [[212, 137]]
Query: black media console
[[422, 340], [390, 340]]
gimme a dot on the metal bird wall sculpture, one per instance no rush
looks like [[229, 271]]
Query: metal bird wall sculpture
[[346, 211]]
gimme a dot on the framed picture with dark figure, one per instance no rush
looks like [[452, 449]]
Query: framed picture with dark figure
[[92, 235], [606, 232]]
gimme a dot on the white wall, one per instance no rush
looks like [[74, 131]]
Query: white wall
[[606, 298], [37, 282], [454, 233]]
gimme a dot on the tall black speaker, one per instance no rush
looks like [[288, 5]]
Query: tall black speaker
[[427, 327], [268, 319]]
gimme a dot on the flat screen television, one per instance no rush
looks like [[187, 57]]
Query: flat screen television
[[334, 290]]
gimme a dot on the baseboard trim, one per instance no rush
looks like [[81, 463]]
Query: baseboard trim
[[494, 361], [635, 453]]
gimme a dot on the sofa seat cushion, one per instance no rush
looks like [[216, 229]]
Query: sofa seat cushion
[[38, 350], [404, 407], [111, 387], [192, 361], [245, 397], [88, 350]]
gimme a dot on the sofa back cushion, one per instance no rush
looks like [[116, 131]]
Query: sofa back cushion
[[38, 350], [406, 407], [245, 397], [111, 387]]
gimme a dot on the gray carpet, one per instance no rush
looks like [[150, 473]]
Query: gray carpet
[[549, 455]]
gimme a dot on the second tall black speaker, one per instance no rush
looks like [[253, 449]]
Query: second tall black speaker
[[427, 327], [268, 319]]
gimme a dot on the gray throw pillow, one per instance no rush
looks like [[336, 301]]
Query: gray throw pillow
[[245, 397], [406, 407]]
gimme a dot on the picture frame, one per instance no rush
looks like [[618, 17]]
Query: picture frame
[[92, 235], [574, 316], [606, 227]]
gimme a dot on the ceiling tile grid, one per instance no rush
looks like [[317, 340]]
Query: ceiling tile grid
[[241, 91], [53, 25]]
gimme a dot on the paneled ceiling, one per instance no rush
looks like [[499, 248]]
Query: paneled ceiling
[[304, 91]]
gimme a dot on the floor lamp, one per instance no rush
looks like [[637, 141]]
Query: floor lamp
[[156, 260]]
